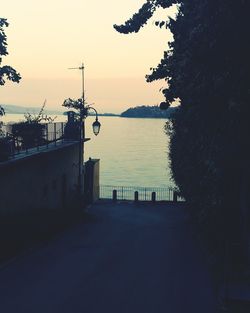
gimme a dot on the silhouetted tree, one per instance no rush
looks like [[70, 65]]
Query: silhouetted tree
[[2, 112], [6, 71], [75, 104], [207, 68]]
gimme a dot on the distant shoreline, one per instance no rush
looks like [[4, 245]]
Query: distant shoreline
[[146, 117], [15, 109], [101, 115], [135, 112]]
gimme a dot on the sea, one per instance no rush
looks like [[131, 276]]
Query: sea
[[132, 151]]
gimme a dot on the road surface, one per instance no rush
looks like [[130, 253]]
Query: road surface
[[125, 259]]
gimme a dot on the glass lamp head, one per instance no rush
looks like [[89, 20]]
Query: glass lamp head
[[96, 127]]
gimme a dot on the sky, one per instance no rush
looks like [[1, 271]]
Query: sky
[[47, 37]]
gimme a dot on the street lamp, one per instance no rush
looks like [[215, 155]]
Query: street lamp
[[96, 125]]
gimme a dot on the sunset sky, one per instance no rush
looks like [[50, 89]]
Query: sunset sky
[[47, 37]]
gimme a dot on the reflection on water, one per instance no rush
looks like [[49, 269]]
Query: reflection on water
[[133, 151]]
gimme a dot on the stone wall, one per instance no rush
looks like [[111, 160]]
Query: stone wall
[[45, 180], [91, 177]]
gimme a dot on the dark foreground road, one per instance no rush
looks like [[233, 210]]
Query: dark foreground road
[[126, 259]]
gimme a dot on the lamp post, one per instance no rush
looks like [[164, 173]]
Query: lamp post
[[83, 108]]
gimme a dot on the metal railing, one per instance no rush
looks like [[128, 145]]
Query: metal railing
[[139, 193], [50, 134]]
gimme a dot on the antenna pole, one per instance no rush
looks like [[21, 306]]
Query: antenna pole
[[83, 87], [83, 104], [81, 131]]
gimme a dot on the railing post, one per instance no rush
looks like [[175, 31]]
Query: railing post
[[136, 196], [17, 145], [62, 135], [153, 198], [175, 196], [55, 133], [114, 195], [47, 135]]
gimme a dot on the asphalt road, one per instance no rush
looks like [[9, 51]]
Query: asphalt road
[[125, 259]]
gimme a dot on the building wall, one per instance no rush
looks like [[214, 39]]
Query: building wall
[[44, 180]]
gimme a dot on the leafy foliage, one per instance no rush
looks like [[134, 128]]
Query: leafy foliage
[[5, 148], [75, 104], [207, 68], [31, 131], [143, 15], [6, 72], [29, 134], [38, 118], [2, 112]]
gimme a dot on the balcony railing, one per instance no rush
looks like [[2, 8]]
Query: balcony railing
[[26, 141]]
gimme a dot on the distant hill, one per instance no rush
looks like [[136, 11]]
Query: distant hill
[[15, 109], [148, 112]]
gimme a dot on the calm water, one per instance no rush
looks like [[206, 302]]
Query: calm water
[[133, 152]]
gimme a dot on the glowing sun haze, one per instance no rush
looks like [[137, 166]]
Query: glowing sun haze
[[47, 37]]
